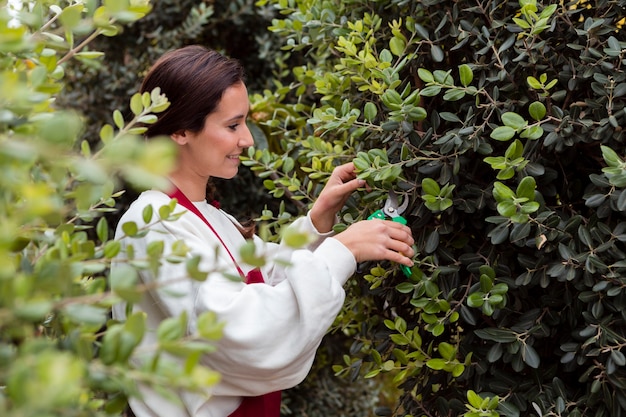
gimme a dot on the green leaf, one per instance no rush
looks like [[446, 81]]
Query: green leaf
[[388, 365], [209, 327], [532, 132], [148, 119], [71, 16], [534, 83], [436, 53], [146, 214], [155, 249], [136, 324], [507, 208], [106, 133], [497, 335], [399, 339], [466, 75], [289, 164], [136, 104], [405, 287], [86, 314], [425, 75], [526, 188], [102, 230], [530, 356], [123, 276], [192, 266], [476, 299], [537, 110], [90, 54], [453, 94], [172, 328], [391, 97], [610, 156], [501, 192], [515, 150], [514, 120], [397, 46], [618, 357], [294, 238], [112, 248], [503, 133], [370, 111], [430, 91], [118, 119], [34, 311], [474, 399], [249, 255], [509, 409], [130, 228], [447, 351], [430, 187], [436, 364]]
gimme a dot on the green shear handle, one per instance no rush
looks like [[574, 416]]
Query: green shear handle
[[392, 210]]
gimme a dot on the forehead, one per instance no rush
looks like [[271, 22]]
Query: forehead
[[234, 101]]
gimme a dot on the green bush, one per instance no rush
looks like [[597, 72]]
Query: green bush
[[502, 123], [60, 354]]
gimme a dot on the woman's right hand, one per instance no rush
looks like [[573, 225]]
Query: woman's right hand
[[377, 240]]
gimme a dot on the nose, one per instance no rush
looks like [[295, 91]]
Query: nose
[[246, 139]]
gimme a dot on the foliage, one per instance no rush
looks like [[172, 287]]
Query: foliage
[[502, 123], [60, 354]]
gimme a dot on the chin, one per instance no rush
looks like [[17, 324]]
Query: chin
[[226, 176]]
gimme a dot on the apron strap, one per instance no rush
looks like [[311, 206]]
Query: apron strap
[[185, 202], [267, 405]]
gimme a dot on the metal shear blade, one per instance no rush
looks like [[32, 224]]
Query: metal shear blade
[[391, 208]]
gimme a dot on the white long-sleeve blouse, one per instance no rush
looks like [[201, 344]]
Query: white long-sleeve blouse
[[271, 331]]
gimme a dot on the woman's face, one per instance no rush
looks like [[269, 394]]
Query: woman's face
[[215, 150]]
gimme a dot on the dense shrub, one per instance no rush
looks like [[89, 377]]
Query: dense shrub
[[60, 355], [502, 123]]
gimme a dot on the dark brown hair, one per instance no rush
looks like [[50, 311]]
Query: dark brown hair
[[193, 79]]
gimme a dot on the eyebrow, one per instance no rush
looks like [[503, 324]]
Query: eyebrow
[[237, 117]]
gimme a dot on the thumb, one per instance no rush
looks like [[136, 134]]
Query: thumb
[[353, 184]]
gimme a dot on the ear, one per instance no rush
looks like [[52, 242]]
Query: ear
[[180, 137]]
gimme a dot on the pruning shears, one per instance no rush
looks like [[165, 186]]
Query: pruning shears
[[393, 210]]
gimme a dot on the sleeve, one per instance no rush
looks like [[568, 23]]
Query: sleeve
[[281, 252], [271, 332]]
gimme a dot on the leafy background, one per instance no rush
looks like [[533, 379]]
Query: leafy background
[[500, 122]]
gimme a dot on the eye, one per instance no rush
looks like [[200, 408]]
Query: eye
[[233, 127]]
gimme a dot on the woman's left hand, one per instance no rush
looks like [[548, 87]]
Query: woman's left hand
[[340, 185]]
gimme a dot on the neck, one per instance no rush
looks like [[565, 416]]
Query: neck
[[194, 189]]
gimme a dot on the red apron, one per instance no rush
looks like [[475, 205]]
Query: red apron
[[267, 405]]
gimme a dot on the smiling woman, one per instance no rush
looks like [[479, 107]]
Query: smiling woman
[[214, 151], [276, 316]]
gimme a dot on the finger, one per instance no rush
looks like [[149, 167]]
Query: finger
[[354, 184], [401, 248], [400, 245], [399, 231], [345, 172], [402, 235], [399, 257]]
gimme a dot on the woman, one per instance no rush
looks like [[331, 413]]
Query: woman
[[274, 325]]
